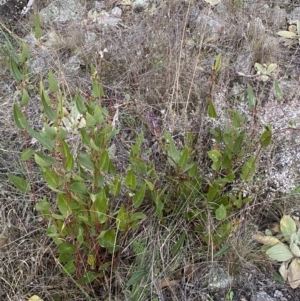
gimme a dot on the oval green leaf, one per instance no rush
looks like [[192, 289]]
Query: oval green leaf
[[20, 183], [139, 197], [26, 154], [44, 160], [18, 76], [25, 98], [52, 82], [66, 248], [78, 187], [85, 161], [221, 212], [122, 219], [280, 252], [211, 110], [19, 118], [248, 169], [107, 239], [47, 143], [104, 161], [287, 34], [278, 91], [62, 203], [136, 277], [130, 180], [287, 227], [176, 248]]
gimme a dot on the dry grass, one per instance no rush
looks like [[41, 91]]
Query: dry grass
[[163, 61]]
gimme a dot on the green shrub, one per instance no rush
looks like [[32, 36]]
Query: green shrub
[[85, 223], [97, 205]]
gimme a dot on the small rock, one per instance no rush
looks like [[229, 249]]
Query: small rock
[[139, 5], [244, 63], [11, 9], [261, 296], [117, 12], [99, 6], [72, 66], [259, 27], [279, 17], [103, 18], [17, 95], [90, 37], [294, 15], [279, 295], [38, 64], [213, 23], [62, 11], [219, 279], [30, 39]]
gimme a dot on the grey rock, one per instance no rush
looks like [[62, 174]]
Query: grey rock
[[271, 42], [30, 39], [248, 3], [17, 95], [14, 3], [259, 27], [117, 12], [99, 5], [219, 279], [90, 37], [213, 23], [294, 15], [38, 64], [72, 66], [11, 9], [103, 18], [139, 4], [237, 91], [244, 63], [261, 296], [279, 295], [28, 7], [290, 87], [279, 17], [62, 11]]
